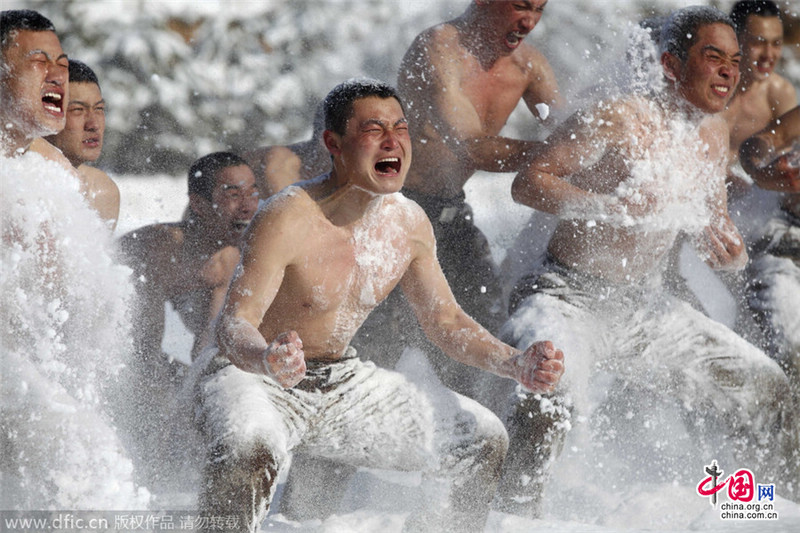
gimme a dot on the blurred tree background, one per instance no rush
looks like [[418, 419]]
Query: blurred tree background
[[186, 77]]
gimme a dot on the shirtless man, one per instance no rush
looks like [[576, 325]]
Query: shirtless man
[[188, 264], [318, 258], [772, 158], [279, 166], [81, 140], [32, 63], [762, 95], [462, 79], [624, 178], [57, 362]]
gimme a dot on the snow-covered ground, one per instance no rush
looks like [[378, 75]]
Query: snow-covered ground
[[380, 500]]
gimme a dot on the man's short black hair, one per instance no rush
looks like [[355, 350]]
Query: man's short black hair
[[339, 102], [80, 72], [203, 172], [744, 8], [14, 20], [680, 30]]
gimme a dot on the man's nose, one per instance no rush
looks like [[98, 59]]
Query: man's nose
[[529, 21], [390, 141], [729, 69], [57, 74], [249, 204], [91, 123]]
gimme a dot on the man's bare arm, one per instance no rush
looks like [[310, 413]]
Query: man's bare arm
[[552, 182], [543, 91], [139, 250], [267, 252], [720, 244], [766, 155], [782, 96], [538, 368]]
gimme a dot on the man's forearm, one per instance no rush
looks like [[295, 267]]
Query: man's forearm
[[501, 154], [242, 343]]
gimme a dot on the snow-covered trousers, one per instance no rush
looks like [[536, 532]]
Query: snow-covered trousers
[[774, 292], [647, 344], [356, 413]]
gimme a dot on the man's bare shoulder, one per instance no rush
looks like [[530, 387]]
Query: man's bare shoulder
[[781, 94], [151, 243], [531, 60], [98, 181], [615, 114], [293, 204], [51, 153], [433, 46], [410, 216]]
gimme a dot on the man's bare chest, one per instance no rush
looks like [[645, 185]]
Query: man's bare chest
[[354, 271], [494, 94], [750, 114]]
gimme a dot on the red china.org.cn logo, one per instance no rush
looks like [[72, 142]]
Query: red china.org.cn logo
[[742, 490]]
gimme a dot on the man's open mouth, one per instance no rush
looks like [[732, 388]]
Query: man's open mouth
[[514, 38], [764, 67], [388, 165], [53, 102], [721, 90], [92, 142]]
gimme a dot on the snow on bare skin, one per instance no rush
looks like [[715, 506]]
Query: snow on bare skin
[[360, 240]]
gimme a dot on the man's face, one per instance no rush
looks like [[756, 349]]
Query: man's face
[[35, 83], [711, 72], [234, 201], [761, 45], [81, 140], [513, 20], [376, 148]]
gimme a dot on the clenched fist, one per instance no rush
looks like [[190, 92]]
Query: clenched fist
[[284, 360], [539, 368]]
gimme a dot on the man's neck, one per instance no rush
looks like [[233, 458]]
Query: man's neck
[[748, 82], [672, 102], [344, 203], [475, 37]]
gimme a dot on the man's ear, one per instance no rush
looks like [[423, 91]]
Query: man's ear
[[333, 142], [672, 66]]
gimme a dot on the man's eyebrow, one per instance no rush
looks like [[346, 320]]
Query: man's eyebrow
[[371, 121], [40, 51], [86, 104], [712, 48], [382, 123]]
